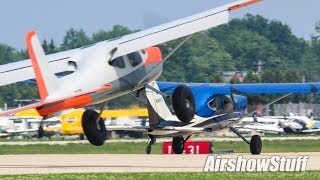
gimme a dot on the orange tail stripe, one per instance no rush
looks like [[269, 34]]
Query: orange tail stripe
[[39, 79]]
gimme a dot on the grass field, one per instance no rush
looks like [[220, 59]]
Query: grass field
[[139, 148], [223, 175]]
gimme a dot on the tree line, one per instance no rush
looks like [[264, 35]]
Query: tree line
[[236, 46]]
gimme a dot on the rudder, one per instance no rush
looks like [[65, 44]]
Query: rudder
[[45, 78]]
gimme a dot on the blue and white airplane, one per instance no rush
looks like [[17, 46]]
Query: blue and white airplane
[[205, 107]]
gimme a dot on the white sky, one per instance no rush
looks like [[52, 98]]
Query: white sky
[[51, 19]]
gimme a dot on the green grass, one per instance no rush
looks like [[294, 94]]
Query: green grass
[[292, 135], [274, 146], [221, 175], [139, 148]]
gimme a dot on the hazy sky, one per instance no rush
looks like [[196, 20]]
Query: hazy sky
[[51, 19]]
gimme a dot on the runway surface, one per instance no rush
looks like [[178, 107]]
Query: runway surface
[[217, 139], [37, 164]]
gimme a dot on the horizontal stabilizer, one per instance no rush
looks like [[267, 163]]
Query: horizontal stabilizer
[[13, 111], [127, 128], [167, 128]]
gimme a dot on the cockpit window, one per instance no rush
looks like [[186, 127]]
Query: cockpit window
[[227, 103], [214, 104], [135, 58], [118, 62], [221, 103], [235, 100]]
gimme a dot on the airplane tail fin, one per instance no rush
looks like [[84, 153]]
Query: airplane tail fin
[[45, 78], [157, 102]]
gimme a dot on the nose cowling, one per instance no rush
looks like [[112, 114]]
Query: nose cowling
[[154, 55]]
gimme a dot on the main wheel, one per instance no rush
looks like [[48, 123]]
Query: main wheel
[[94, 130], [183, 103], [178, 144], [255, 144]]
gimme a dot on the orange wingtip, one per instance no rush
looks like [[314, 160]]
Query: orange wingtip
[[243, 4]]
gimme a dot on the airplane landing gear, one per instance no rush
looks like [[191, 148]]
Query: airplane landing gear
[[183, 103], [178, 144], [255, 144], [94, 127], [40, 131], [40, 128], [150, 143]]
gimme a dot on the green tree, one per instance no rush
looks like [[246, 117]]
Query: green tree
[[251, 78], [49, 48], [216, 78], [197, 60], [312, 59], [74, 39], [248, 47], [117, 31], [6, 54], [289, 48]]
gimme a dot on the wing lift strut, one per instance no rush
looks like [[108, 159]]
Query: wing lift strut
[[255, 142]]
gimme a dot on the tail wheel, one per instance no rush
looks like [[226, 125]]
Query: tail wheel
[[40, 132], [94, 130], [178, 144], [255, 144], [183, 103]]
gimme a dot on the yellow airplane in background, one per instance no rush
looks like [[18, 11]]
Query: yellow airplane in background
[[71, 121]]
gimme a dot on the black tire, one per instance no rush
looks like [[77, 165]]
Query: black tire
[[183, 103], [178, 144], [148, 149], [255, 145], [96, 133]]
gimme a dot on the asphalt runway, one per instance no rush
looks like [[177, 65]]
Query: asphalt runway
[[81, 163], [217, 139]]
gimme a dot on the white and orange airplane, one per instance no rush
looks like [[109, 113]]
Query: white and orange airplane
[[104, 70]]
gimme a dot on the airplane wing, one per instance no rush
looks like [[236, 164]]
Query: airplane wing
[[310, 131], [66, 61], [275, 88], [12, 111], [254, 88], [176, 29], [165, 128], [262, 128], [23, 71]]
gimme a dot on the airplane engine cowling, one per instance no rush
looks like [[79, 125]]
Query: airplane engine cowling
[[183, 103]]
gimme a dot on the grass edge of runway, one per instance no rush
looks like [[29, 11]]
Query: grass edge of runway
[[139, 147], [173, 175]]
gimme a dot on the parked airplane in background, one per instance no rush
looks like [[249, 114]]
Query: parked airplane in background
[[104, 70], [205, 107], [279, 125], [71, 123], [18, 126]]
